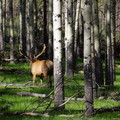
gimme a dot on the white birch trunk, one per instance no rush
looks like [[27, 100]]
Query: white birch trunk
[[58, 73], [70, 43], [87, 59], [76, 26]]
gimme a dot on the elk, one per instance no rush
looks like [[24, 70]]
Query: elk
[[40, 68]]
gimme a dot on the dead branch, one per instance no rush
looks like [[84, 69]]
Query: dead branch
[[40, 102], [62, 103]]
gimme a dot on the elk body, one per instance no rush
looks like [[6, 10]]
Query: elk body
[[41, 68]]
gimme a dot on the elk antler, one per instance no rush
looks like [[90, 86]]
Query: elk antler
[[21, 53], [43, 50]]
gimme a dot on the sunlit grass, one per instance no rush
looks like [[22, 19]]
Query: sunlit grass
[[74, 85]]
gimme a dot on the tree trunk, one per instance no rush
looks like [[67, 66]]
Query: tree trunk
[[95, 87], [45, 26], [87, 59], [109, 72], [23, 25], [36, 26], [50, 42], [58, 72], [113, 34], [11, 31], [31, 28], [69, 41], [76, 39], [28, 31], [1, 30], [4, 22], [98, 64]]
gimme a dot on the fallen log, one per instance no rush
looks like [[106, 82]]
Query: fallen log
[[14, 84], [13, 70], [33, 94], [42, 95], [97, 111]]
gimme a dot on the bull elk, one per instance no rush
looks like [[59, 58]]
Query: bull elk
[[40, 68]]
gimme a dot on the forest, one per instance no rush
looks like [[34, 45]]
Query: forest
[[59, 59]]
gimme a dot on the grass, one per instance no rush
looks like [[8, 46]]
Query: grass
[[74, 109]]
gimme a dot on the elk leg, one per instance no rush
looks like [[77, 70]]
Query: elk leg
[[41, 82], [34, 78]]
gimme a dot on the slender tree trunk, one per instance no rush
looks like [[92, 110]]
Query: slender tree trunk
[[81, 30], [109, 72], [45, 26], [27, 30], [11, 31], [50, 42], [58, 72], [36, 26], [76, 25], [31, 28], [1, 30], [65, 38], [23, 25], [113, 36], [4, 22], [76, 30], [98, 63], [93, 54], [87, 58], [70, 42]]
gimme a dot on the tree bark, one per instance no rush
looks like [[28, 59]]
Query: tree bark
[[87, 59], [4, 22], [98, 64], [109, 69], [50, 41], [11, 31], [45, 34], [69, 42], [31, 28], [58, 72], [23, 25], [1, 30], [113, 34]]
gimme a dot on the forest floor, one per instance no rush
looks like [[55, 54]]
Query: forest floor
[[20, 100]]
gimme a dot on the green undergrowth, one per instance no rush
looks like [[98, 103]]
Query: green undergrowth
[[10, 102]]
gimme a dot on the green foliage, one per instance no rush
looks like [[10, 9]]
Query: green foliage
[[10, 102]]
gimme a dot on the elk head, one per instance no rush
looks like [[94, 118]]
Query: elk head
[[41, 68]]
